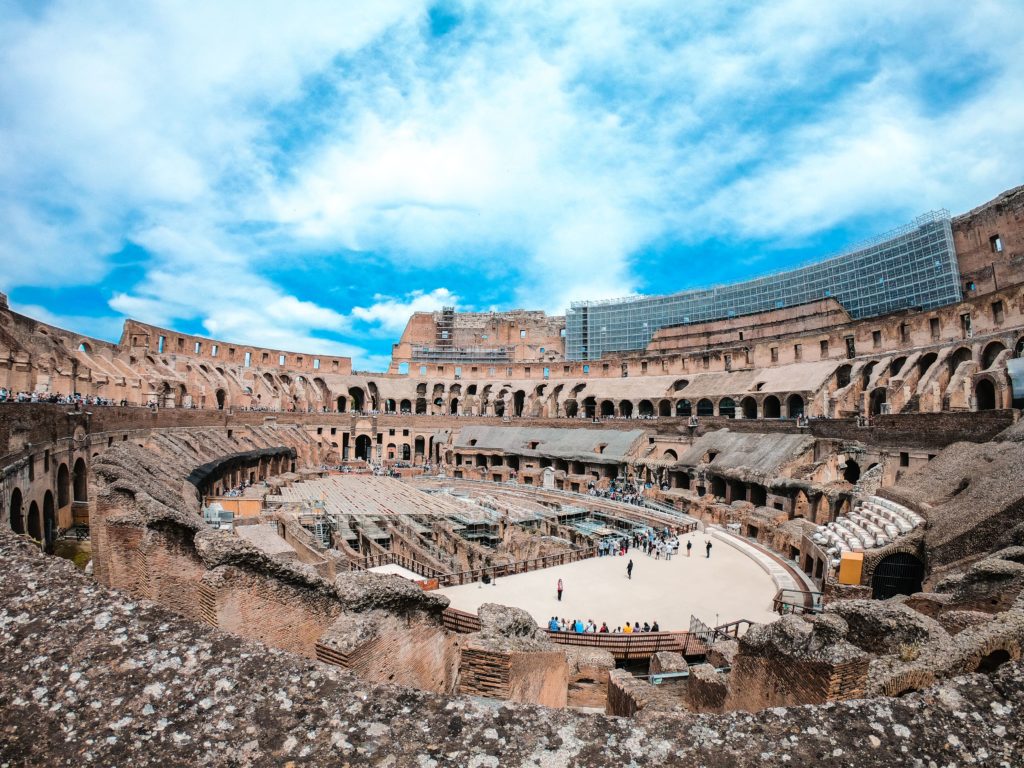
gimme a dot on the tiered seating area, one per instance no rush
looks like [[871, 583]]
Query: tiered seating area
[[874, 522]]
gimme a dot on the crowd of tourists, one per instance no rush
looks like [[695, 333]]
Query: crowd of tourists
[[590, 627], [53, 398], [626, 492]]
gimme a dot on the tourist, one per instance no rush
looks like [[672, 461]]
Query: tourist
[[655, 627], [553, 625], [689, 546], [559, 589], [647, 627], [627, 630], [629, 568], [604, 628], [577, 627], [708, 548]]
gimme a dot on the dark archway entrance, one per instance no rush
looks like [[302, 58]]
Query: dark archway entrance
[[35, 524], [985, 394], [17, 518], [771, 408], [358, 398], [63, 486], [81, 481], [705, 407], [362, 448], [852, 472], [221, 397], [898, 574], [49, 522], [794, 406], [518, 399]]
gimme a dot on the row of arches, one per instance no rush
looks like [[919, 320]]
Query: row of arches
[[40, 522]]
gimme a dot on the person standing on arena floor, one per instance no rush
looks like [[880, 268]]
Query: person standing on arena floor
[[559, 588], [708, 549], [629, 569], [689, 546]]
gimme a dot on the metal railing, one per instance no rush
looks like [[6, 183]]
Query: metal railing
[[798, 601]]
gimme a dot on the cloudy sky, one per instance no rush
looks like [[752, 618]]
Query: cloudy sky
[[307, 174]]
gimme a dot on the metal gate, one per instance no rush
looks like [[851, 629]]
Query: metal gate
[[898, 574]]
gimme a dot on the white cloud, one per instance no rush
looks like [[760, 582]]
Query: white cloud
[[390, 314]]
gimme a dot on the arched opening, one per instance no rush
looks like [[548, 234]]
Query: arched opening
[[865, 374], [221, 397], [645, 408], [590, 407], [962, 355], [421, 405], [35, 525], [727, 408], [993, 661], [389, 406], [771, 408], [84, 347], [705, 407], [925, 362], [843, 375], [665, 408], [794, 406], [670, 455], [626, 409], [518, 400], [81, 481], [991, 352], [684, 408], [17, 519], [405, 406], [897, 365], [63, 486], [571, 408], [877, 400], [406, 452], [985, 395], [851, 473], [1018, 348], [363, 447], [419, 445], [607, 408], [454, 408], [898, 574], [49, 522], [358, 398], [680, 385], [749, 407]]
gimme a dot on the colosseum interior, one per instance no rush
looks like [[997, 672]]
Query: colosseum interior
[[221, 554]]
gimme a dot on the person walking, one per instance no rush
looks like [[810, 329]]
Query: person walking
[[708, 549], [560, 588], [689, 546], [629, 569]]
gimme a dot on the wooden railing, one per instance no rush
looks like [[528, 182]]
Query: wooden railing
[[623, 646], [475, 574]]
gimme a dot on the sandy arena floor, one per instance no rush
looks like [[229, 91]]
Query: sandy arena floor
[[726, 587]]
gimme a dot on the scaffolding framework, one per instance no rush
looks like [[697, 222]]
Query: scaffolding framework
[[913, 266]]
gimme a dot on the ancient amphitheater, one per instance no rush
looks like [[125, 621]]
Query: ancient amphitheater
[[216, 554]]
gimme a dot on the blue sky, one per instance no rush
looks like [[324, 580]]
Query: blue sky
[[307, 176]]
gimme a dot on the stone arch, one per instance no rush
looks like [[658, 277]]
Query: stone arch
[[389, 405], [571, 408], [80, 480], [406, 452], [35, 523], [405, 406], [17, 518], [358, 398], [900, 573], [684, 408], [877, 400], [49, 521], [665, 408], [420, 445], [897, 365], [645, 408], [925, 362], [990, 353], [1018, 347], [748, 407], [985, 395], [771, 408], [727, 408], [851, 473], [865, 374], [607, 408], [518, 401], [705, 407], [794, 406], [961, 355], [590, 407], [363, 447], [453, 409], [992, 659], [221, 398], [63, 486], [626, 409], [680, 385], [670, 455], [843, 375]]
